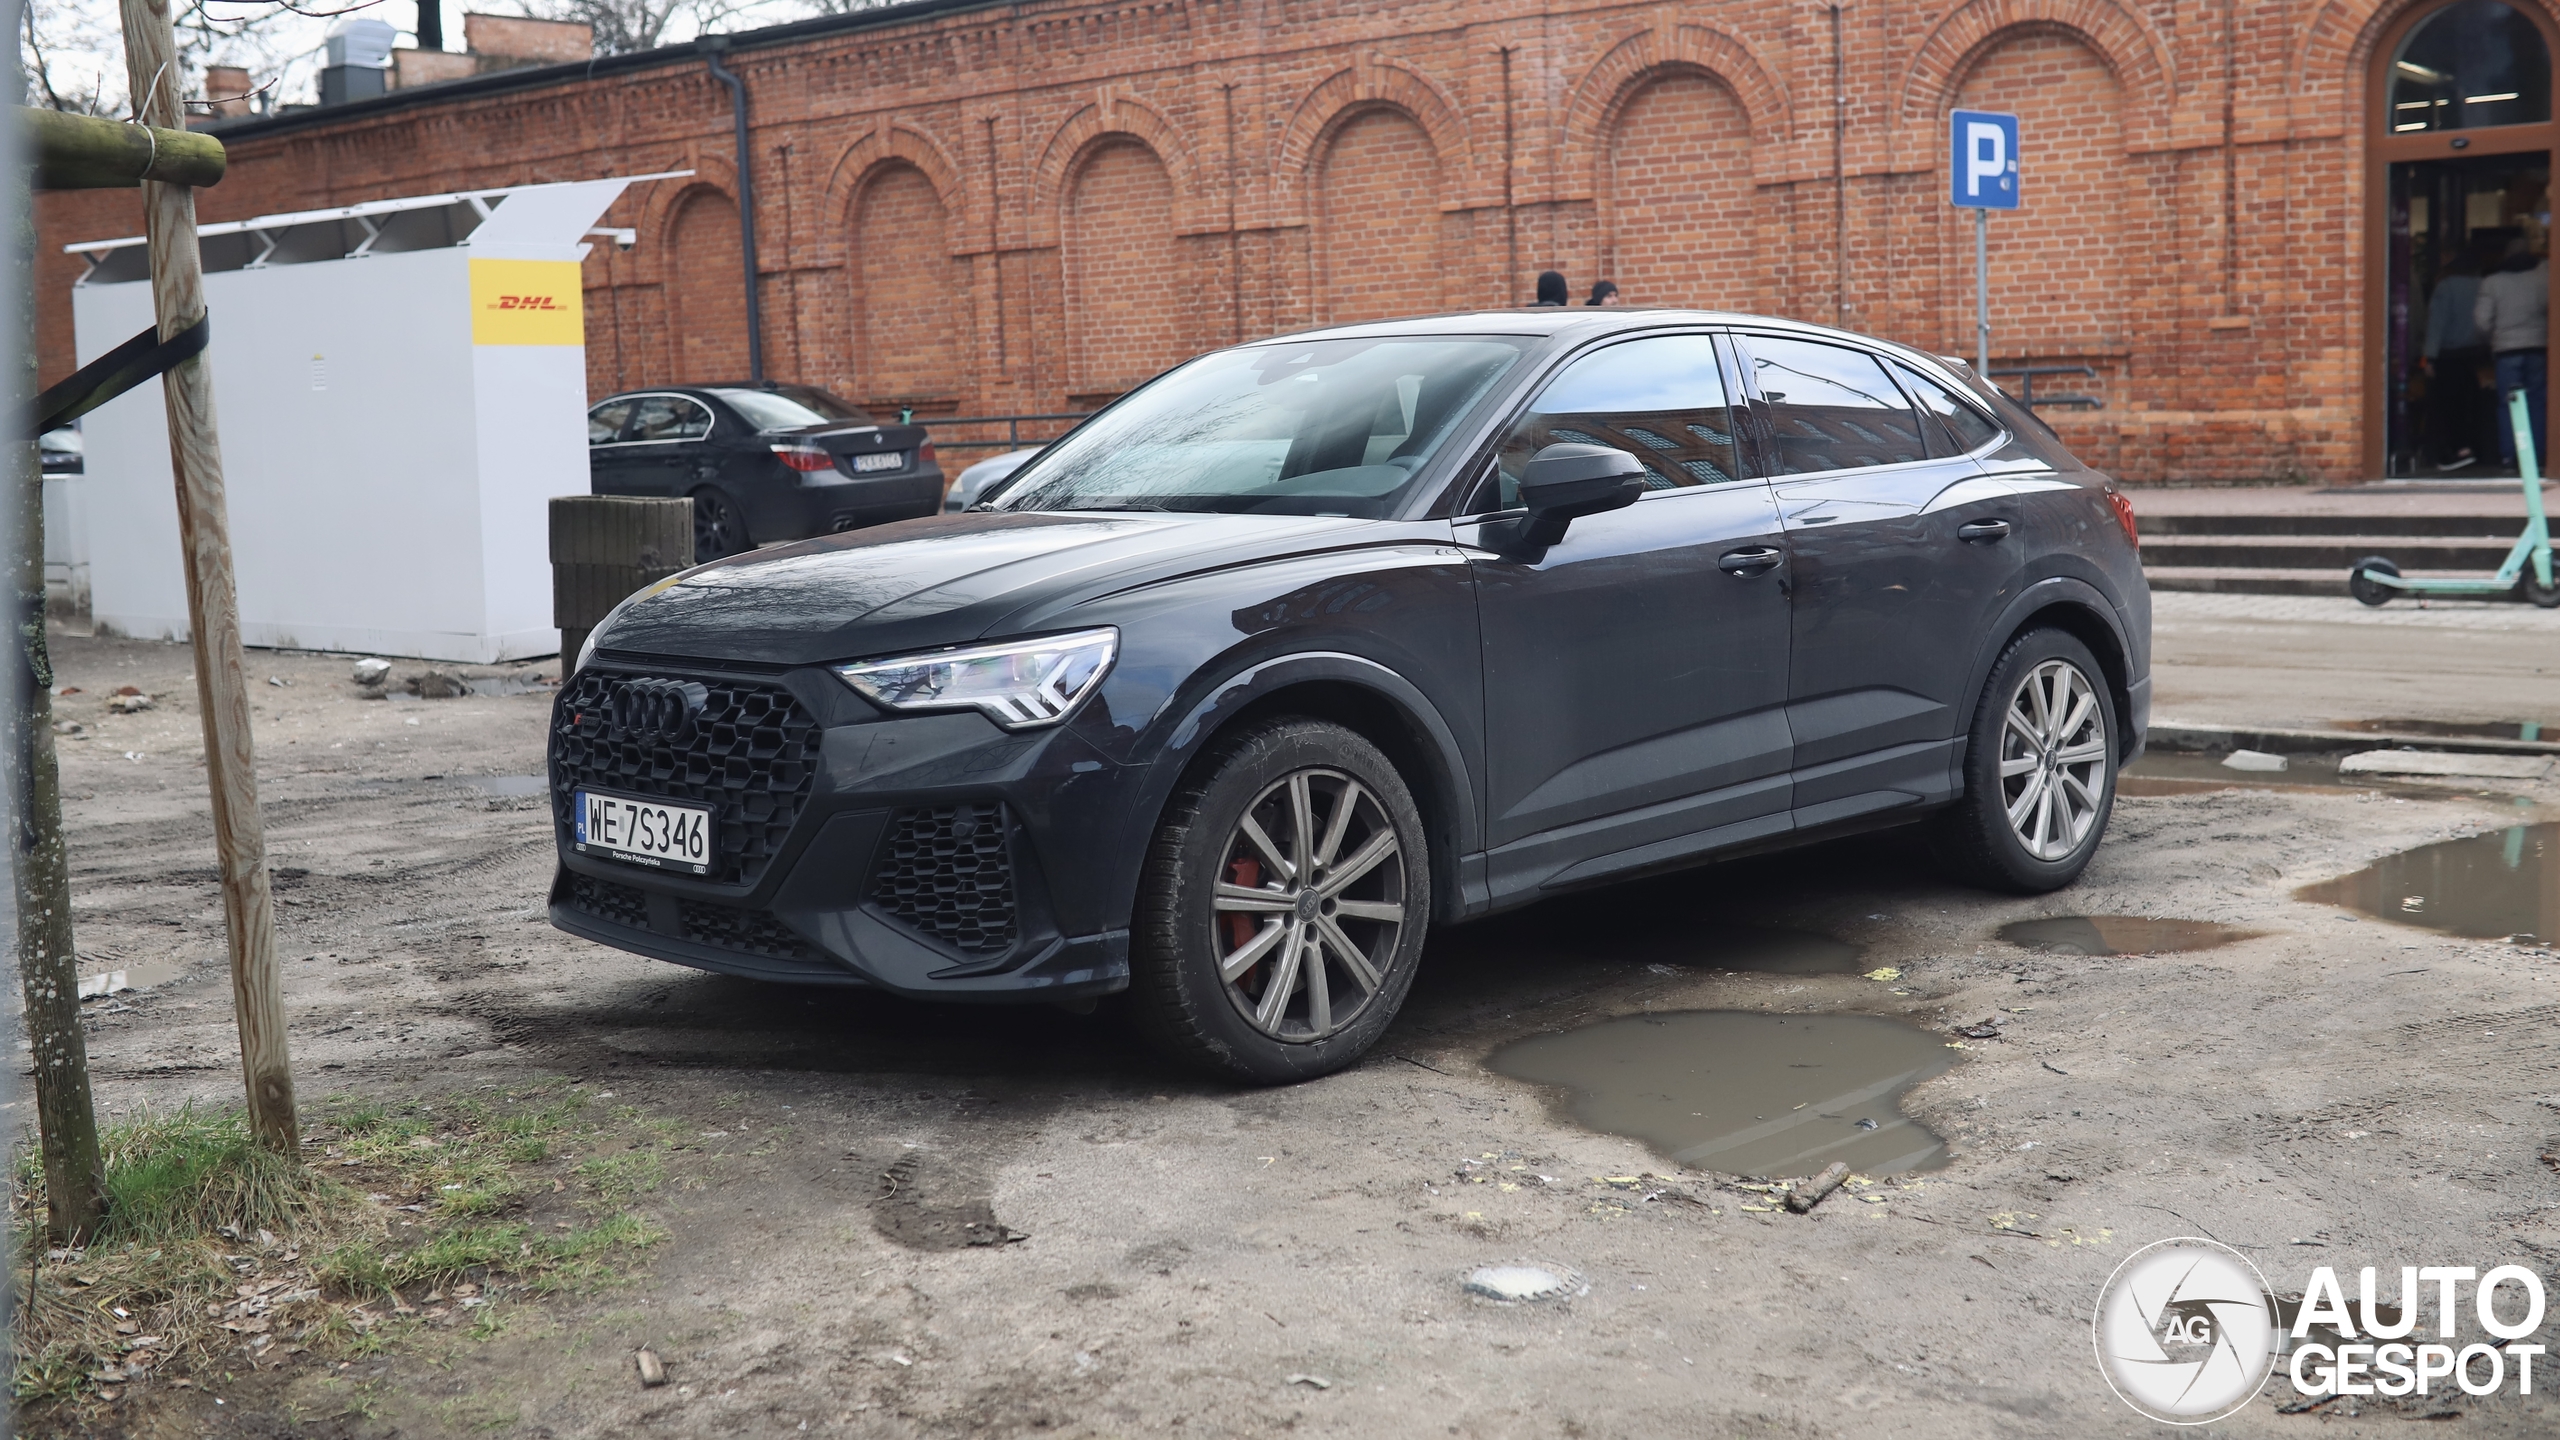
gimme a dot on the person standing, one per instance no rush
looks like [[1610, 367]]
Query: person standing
[[1552, 290], [2454, 355], [2514, 311], [1604, 292]]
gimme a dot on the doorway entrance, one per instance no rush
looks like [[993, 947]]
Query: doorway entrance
[[2454, 222], [2460, 177]]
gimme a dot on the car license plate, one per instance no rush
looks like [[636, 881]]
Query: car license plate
[[882, 460], [645, 832]]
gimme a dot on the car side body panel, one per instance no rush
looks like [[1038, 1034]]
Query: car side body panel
[[1887, 624]]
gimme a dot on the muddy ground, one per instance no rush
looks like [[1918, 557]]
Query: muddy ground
[[1199, 1260]]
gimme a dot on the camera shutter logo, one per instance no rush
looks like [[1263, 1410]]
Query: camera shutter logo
[[2185, 1331]]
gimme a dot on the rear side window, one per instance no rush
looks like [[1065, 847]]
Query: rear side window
[[1661, 399], [1833, 408], [1961, 428], [604, 423], [669, 417]]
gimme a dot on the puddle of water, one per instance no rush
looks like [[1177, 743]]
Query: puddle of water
[[1746, 1093], [2486, 887], [131, 977], [509, 786], [2119, 934], [2189, 770], [2492, 730]]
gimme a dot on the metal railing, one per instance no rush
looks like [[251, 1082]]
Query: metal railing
[[1013, 438], [2027, 388]]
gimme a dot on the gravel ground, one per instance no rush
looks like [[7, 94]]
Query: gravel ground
[[1201, 1260]]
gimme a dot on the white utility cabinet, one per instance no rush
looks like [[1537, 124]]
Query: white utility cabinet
[[401, 388]]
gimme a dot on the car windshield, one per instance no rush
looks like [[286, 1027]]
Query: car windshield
[[1313, 427], [789, 407]]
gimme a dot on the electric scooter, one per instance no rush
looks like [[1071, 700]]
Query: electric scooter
[[2374, 580]]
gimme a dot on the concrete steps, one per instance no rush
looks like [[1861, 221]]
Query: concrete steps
[[2300, 541]]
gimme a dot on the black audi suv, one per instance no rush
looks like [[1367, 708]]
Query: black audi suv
[[761, 462], [1311, 644]]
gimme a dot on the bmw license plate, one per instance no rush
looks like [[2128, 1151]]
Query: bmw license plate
[[879, 460], [645, 832]]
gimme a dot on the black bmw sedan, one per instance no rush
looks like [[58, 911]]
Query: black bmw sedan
[[761, 462], [1225, 699]]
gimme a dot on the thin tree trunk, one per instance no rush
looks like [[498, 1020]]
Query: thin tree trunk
[[48, 968], [213, 601]]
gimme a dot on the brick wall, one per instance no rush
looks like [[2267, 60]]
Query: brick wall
[[911, 323], [1127, 284], [1025, 206]]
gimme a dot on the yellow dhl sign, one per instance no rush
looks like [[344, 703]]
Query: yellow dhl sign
[[527, 302]]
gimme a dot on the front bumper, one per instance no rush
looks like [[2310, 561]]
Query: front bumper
[[936, 856]]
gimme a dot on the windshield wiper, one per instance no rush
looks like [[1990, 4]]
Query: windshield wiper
[[1159, 509]]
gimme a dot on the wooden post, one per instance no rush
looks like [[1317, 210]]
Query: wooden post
[[603, 549], [48, 967], [84, 152], [155, 72]]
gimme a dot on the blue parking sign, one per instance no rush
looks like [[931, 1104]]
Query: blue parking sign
[[1983, 150]]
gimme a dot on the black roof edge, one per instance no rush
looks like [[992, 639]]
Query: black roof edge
[[534, 77]]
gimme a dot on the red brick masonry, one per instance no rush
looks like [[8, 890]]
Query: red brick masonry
[[1021, 207]]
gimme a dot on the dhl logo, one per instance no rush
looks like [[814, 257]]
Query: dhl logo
[[527, 302]]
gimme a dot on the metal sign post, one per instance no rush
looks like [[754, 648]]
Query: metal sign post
[[1982, 176]]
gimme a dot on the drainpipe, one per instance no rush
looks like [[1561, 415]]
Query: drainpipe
[[712, 47]]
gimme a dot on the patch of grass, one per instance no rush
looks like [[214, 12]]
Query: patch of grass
[[172, 1177], [621, 1177], [221, 1252]]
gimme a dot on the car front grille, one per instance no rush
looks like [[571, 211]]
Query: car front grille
[[751, 931], [624, 905], [749, 752], [724, 927], [947, 874]]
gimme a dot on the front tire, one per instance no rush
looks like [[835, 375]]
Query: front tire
[[2369, 591], [1281, 913], [2039, 769]]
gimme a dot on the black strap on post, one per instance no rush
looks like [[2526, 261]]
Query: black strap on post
[[119, 370]]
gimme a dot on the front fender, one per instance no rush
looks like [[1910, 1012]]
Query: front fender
[[1208, 707], [2132, 697]]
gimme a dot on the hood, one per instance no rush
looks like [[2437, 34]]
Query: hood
[[945, 580]]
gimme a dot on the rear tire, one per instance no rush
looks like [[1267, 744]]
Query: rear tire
[[1280, 916], [2039, 769], [719, 527], [2368, 591]]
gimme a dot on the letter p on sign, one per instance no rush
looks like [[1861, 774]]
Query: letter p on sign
[[1984, 159]]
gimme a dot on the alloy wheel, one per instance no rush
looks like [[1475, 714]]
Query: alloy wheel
[[717, 529], [1310, 903], [2053, 760]]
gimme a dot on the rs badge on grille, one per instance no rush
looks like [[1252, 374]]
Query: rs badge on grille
[[655, 709]]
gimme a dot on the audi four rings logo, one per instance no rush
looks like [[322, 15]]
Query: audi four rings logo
[[663, 709]]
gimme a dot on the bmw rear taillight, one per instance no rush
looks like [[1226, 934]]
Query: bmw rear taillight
[[2124, 518], [924, 455], [804, 458]]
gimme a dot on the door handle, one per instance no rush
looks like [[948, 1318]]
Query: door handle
[[1983, 532], [1750, 560]]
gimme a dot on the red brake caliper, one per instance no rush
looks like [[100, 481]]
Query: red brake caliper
[[1246, 872]]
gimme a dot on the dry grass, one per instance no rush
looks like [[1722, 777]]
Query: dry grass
[[216, 1254]]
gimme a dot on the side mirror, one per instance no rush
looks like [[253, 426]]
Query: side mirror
[[1563, 483]]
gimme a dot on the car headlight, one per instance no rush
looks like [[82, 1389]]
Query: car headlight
[[1020, 684]]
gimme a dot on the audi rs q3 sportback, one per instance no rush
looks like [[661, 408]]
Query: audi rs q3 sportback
[[1308, 645]]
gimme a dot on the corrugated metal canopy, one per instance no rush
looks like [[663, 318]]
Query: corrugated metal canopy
[[376, 227]]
